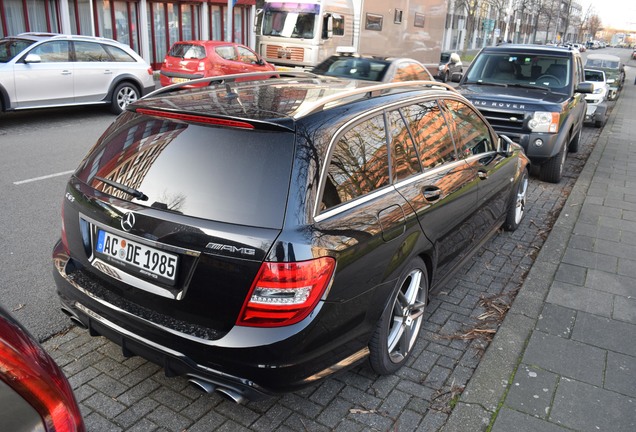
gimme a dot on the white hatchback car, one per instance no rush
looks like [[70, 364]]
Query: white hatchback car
[[42, 70], [596, 101]]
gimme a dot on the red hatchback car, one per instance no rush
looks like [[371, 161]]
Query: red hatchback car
[[188, 60]]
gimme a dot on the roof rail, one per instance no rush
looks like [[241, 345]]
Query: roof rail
[[225, 79], [38, 34], [67, 36], [310, 107], [368, 91]]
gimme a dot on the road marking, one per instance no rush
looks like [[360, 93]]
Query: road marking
[[43, 177]]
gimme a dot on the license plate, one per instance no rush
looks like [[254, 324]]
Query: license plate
[[145, 260], [179, 80]]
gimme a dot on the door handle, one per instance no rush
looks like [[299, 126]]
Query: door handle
[[66, 72], [108, 72], [431, 193]]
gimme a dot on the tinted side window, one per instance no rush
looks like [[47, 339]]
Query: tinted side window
[[246, 56], [90, 52], [403, 155], [359, 163], [338, 25], [119, 55], [579, 71], [472, 135], [52, 52], [432, 137], [226, 52]]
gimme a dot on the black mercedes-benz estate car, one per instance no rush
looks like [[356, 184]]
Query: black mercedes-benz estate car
[[258, 236]]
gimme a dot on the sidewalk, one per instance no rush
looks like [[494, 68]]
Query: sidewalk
[[565, 356]]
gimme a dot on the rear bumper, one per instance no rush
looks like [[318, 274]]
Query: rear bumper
[[595, 112], [253, 362]]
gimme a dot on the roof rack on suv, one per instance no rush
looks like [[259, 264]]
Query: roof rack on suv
[[67, 36]]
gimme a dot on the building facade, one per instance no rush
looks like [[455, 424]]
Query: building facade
[[150, 27]]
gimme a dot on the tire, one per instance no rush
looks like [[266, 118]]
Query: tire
[[517, 206], [124, 94], [445, 77], [400, 323], [599, 123], [573, 147], [552, 170]]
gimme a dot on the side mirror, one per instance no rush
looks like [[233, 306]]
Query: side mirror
[[505, 146], [585, 87], [611, 81], [32, 58], [260, 62], [327, 31], [257, 17]]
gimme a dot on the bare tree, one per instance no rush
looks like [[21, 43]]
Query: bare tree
[[470, 9], [585, 21], [594, 24]]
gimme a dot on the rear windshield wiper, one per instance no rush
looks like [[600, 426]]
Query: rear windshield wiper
[[130, 191]]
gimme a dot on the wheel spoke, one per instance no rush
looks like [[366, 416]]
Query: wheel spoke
[[416, 310]]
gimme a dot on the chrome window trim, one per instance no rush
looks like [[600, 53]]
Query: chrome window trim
[[320, 216]]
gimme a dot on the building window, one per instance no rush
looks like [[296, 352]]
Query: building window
[[19, 16], [80, 16], [397, 19], [216, 22], [373, 22]]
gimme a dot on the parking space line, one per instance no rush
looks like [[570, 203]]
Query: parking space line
[[43, 177]]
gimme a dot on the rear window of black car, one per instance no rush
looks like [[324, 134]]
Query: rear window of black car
[[222, 174]]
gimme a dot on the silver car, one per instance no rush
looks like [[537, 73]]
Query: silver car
[[41, 70]]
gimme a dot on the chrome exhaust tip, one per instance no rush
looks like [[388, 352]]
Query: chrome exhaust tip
[[205, 386], [74, 319], [232, 395]]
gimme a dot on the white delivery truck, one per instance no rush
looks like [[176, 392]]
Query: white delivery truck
[[305, 32]]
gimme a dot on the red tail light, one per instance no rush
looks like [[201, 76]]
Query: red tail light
[[29, 370], [150, 71], [286, 293]]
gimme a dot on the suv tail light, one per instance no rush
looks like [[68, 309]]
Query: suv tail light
[[286, 293], [29, 370]]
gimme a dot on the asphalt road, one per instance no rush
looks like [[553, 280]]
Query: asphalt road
[[38, 151]]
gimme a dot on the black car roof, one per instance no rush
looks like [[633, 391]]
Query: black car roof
[[274, 101]]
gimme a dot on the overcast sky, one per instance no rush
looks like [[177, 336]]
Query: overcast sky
[[614, 13]]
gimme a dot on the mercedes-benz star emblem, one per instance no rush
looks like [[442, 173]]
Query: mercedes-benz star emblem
[[128, 221]]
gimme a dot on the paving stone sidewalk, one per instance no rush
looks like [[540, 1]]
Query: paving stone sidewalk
[[564, 358]]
